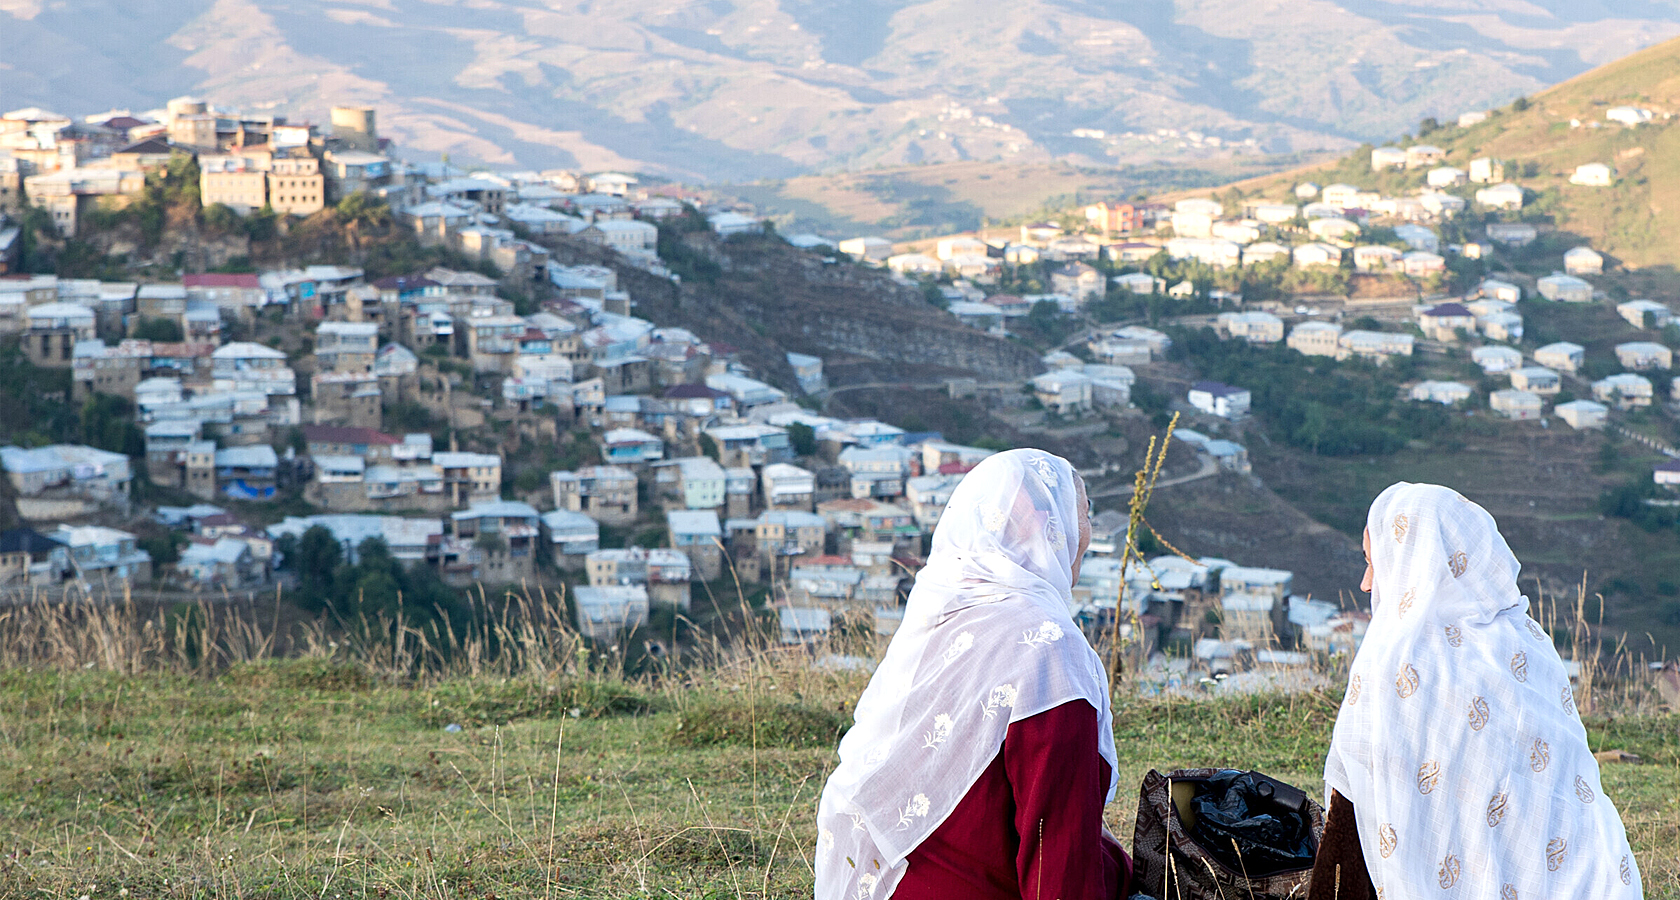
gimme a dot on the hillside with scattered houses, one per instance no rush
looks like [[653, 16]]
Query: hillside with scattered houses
[[1596, 157]]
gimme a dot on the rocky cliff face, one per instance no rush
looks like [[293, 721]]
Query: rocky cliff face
[[768, 298]]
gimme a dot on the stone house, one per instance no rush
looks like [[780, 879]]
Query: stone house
[[607, 494], [53, 331], [571, 536], [698, 534], [1515, 404]]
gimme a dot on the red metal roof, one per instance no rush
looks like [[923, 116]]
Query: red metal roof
[[829, 561]]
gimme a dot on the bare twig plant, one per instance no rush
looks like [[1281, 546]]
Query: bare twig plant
[[1143, 489]]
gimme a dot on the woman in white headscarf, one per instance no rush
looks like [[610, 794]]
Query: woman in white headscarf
[[983, 749], [1458, 757]]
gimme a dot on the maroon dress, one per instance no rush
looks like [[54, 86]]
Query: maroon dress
[[1031, 827]]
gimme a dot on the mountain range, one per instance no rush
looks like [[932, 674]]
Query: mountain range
[[742, 89]]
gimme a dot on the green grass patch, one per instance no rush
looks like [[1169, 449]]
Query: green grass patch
[[736, 721], [308, 674], [292, 781], [482, 701]]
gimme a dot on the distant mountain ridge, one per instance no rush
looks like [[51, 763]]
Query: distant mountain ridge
[[743, 89]]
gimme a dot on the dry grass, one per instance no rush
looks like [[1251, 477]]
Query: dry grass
[[198, 753]]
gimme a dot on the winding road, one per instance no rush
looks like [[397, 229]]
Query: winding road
[[1209, 469]]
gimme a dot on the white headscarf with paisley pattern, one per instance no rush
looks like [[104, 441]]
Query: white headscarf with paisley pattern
[[986, 641], [1458, 742]]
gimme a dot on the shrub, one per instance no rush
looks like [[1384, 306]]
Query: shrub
[[158, 329]]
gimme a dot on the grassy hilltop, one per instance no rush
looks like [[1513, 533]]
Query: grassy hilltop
[[919, 201], [149, 771], [1636, 220]]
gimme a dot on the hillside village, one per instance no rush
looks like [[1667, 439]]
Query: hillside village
[[268, 407], [513, 462], [1465, 285], [511, 419], [1340, 270]]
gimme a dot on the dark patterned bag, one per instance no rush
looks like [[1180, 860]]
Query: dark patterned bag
[[1173, 864]]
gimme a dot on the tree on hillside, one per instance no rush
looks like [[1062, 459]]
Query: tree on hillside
[[9, 517], [677, 247], [360, 212], [361, 208], [375, 589], [221, 219], [107, 422], [37, 238], [802, 438], [263, 224], [158, 328], [170, 194], [32, 407], [380, 587], [314, 556]]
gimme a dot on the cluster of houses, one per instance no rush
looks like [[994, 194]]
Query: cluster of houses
[[1488, 170], [1490, 315], [1324, 231], [1543, 375], [1329, 226], [673, 418], [248, 161], [1073, 387], [690, 444], [1324, 225], [242, 420], [840, 536], [692, 447], [704, 472], [64, 481], [1231, 617], [253, 162]]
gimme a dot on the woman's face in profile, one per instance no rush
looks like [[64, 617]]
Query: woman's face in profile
[[1083, 509], [1370, 571]]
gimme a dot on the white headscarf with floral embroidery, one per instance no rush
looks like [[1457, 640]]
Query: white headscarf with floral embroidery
[[1458, 742], [986, 641]]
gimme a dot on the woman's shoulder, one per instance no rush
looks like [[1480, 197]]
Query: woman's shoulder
[[1018, 621]]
